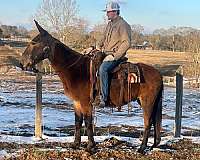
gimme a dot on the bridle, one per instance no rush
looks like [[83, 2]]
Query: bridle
[[66, 66]]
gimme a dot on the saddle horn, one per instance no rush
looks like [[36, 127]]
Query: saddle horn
[[40, 29]]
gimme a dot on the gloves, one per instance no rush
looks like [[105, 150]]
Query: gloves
[[109, 58]]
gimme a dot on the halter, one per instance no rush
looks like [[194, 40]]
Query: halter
[[33, 42]]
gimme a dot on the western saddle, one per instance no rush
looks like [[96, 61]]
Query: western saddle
[[126, 72]]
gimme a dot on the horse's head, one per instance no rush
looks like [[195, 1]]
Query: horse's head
[[37, 50]]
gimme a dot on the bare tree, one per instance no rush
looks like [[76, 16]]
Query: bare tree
[[195, 51], [1, 33], [59, 16], [137, 33], [32, 33], [98, 32], [22, 31], [76, 37]]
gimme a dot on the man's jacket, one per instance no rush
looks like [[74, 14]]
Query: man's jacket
[[117, 38]]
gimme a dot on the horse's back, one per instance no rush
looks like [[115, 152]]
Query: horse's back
[[137, 78], [149, 73], [144, 72]]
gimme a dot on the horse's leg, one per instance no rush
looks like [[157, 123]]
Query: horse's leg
[[157, 128], [88, 118], [78, 124], [157, 118], [89, 126], [147, 112]]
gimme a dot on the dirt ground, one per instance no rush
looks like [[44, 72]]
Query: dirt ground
[[109, 149]]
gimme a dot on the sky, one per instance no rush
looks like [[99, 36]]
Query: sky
[[152, 14]]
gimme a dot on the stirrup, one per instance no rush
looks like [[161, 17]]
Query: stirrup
[[102, 104]]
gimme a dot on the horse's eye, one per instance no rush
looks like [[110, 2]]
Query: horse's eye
[[46, 49]]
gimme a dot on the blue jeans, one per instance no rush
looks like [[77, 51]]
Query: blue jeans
[[104, 73]]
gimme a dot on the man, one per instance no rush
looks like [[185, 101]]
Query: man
[[116, 41]]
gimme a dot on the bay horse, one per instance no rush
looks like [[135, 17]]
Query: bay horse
[[73, 69]]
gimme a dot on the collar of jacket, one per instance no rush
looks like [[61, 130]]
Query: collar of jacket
[[116, 19]]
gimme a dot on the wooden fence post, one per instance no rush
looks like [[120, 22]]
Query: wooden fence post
[[179, 97], [38, 107]]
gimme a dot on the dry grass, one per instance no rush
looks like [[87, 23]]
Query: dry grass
[[108, 149], [9, 57], [166, 62], [155, 57]]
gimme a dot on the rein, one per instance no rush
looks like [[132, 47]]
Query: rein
[[76, 61]]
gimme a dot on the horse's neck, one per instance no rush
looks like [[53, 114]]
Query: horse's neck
[[68, 63], [63, 56]]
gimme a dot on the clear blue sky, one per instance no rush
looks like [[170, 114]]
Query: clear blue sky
[[149, 13]]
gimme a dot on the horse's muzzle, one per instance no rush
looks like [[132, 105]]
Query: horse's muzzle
[[27, 66]]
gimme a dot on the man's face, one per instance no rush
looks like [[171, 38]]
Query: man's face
[[111, 15]]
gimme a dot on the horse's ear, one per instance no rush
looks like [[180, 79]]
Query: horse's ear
[[40, 29]]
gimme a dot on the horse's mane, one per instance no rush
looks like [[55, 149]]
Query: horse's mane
[[65, 47], [72, 59]]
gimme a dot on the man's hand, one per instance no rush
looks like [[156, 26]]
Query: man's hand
[[109, 57]]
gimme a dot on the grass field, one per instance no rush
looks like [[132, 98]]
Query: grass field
[[167, 62], [156, 57]]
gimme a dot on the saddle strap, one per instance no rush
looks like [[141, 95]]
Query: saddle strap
[[121, 94], [121, 76], [92, 82]]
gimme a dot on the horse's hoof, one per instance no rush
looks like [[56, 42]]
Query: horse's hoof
[[155, 144], [142, 150], [75, 145], [91, 150], [91, 147]]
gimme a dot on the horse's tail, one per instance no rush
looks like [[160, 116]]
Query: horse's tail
[[157, 116]]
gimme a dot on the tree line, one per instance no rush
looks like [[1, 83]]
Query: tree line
[[8, 31]]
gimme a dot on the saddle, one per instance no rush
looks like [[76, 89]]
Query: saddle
[[125, 72]]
